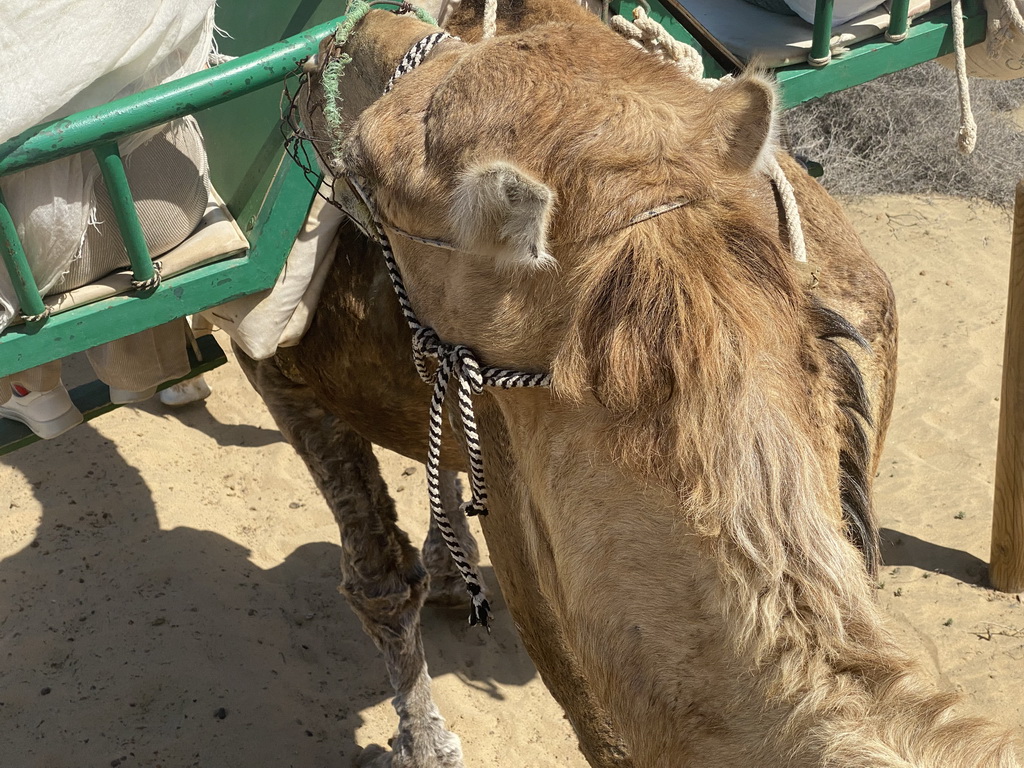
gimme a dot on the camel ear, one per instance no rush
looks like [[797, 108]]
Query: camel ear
[[744, 116], [500, 211]]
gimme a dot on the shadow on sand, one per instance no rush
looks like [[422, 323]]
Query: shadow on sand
[[903, 549], [197, 416], [129, 645]]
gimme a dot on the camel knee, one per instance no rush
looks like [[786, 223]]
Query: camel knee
[[387, 603]]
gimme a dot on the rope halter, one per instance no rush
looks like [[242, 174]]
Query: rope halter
[[415, 56], [453, 363]]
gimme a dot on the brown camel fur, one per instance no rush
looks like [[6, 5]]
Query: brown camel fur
[[671, 523], [351, 383]]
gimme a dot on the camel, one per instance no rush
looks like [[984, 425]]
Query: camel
[[681, 523]]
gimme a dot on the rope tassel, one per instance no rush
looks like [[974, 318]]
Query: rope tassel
[[448, 365]]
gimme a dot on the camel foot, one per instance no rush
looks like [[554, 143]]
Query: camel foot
[[444, 751], [447, 588]]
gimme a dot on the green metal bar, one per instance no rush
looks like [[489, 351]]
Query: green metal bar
[[899, 20], [124, 210], [155, 106], [25, 287], [928, 38], [93, 398], [821, 42], [272, 236]]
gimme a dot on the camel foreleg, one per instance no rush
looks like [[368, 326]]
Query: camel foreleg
[[382, 574]]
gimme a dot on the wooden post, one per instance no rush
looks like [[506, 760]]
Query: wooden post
[[1006, 571]]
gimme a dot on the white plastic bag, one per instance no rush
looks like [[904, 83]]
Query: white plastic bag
[[842, 11]]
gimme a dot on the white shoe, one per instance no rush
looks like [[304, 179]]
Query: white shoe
[[125, 396], [47, 414], [184, 392]]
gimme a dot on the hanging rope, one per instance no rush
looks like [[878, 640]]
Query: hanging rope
[[1004, 22], [490, 18], [967, 137], [791, 210]]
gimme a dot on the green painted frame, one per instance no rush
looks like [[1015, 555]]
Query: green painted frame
[[928, 37], [279, 221]]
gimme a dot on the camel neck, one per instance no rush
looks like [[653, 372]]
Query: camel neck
[[697, 656]]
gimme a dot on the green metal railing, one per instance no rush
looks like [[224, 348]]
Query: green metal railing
[[112, 168], [270, 232], [929, 37], [99, 129], [17, 265], [821, 43], [899, 21]]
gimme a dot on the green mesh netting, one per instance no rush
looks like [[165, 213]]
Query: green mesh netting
[[335, 70]]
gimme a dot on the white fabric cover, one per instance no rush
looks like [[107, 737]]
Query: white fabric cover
[[62, 56], [842, 10], [280, 315]]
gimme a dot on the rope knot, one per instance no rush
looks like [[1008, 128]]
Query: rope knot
[[44, 315], [426, 341], [151, 283], [467, 367], [474, 507]]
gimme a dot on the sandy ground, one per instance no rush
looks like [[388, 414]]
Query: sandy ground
[[167, 579]]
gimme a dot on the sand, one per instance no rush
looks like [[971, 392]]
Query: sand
[[168, 578]]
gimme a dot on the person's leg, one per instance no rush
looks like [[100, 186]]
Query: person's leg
[[135, 365], [37, 398], [197, 388]]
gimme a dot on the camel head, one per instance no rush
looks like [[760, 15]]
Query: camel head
[[527, 154]]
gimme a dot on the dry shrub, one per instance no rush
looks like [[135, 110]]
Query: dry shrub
[[897, 134]]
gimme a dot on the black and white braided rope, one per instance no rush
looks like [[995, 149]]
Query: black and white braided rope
[[151, 283], [44, 315], [459, 363], [415, 56]]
